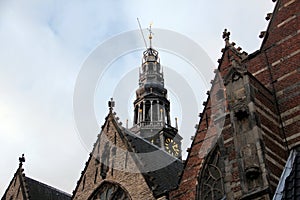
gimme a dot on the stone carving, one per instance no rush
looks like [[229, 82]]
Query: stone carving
[[250, 161], [241, 111]]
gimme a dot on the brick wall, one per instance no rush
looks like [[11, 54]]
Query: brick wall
[[277, 66], [276, 95], [205, 139]]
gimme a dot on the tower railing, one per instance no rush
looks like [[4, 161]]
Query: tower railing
[[149, 124], [144, 76]]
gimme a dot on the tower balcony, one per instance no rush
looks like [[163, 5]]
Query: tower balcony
[[148, 125]]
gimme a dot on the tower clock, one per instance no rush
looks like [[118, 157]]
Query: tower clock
[[171, 141], [152, 119], [172, 147]]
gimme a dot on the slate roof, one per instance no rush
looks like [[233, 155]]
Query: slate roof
[[33, 189], [160, 170], [41, 191], [289, 184], [292, 182]]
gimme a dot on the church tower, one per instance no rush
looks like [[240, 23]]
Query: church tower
[[152, 108]]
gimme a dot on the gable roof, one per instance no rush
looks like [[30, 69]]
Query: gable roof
[[230, 54], [38, 191], [207, 131], [160, 170], [34, 190], [18, 175]]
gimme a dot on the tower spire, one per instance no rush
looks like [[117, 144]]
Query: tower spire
[[152, 107], [150, 34]]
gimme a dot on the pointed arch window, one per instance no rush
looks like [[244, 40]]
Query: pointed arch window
[[110, 191], [211, 181]]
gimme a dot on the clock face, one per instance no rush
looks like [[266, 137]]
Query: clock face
[[172, 147]]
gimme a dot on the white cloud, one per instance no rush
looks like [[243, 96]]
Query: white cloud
[[42, 47]]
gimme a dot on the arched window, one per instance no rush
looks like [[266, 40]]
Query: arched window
[[211, 181], [147, 112], [136, 112], [110, 191], [155, 111]]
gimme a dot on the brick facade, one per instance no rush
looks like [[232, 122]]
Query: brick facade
[[250, 122], [272, 89]]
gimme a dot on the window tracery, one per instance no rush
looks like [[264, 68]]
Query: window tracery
[[211, 179], [110, 191]]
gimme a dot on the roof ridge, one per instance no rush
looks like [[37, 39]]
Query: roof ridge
[[22, 177], [48, 186], [267, 30], [18, 174], [231, 45], [129, 132]]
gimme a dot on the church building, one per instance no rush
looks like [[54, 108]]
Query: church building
[[246, 145]]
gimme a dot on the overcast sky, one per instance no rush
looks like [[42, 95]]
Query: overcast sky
[[43, 45]]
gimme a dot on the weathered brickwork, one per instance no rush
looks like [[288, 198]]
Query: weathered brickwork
[[274, 82], [207, 135], [250, 122]]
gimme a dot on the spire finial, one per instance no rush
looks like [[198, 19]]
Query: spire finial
[[150, 34], [111, 104], [226, 36], [22, 159]]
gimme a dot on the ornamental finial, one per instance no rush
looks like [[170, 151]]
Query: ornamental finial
[[111, 104], [226, 36], [150, 34], [22, 159]]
